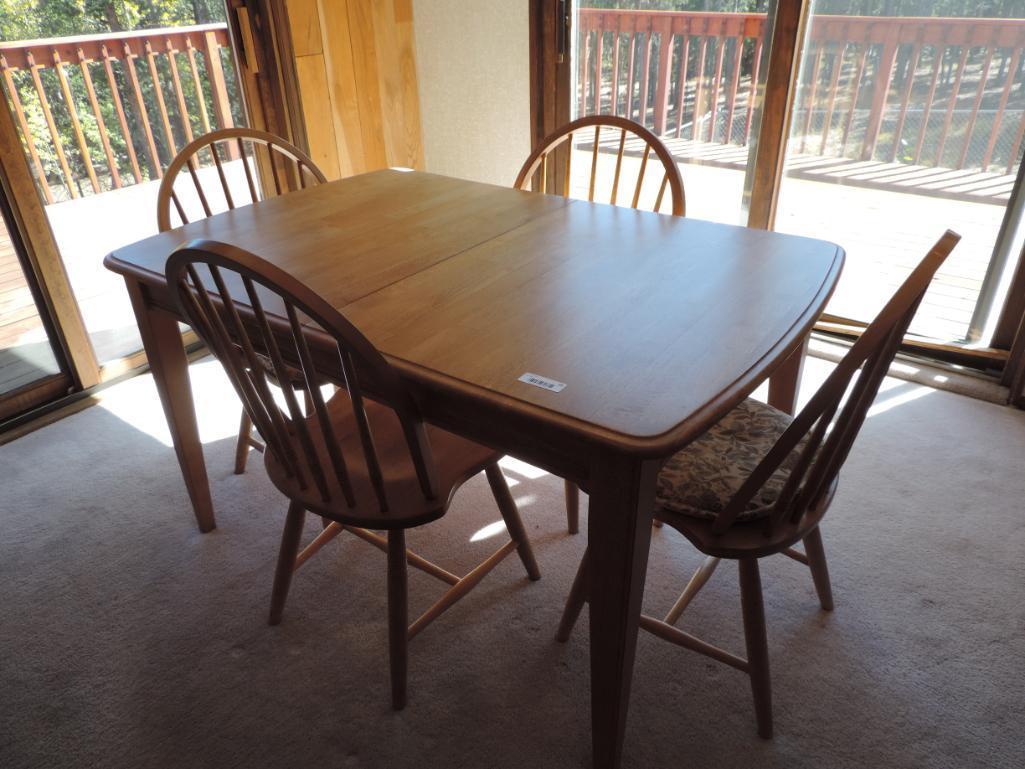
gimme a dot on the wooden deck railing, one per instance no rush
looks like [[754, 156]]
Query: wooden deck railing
[[90, 117], [931, 91]]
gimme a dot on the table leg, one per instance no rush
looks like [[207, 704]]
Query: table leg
[[622, 492], [170, 368], [786, 380]]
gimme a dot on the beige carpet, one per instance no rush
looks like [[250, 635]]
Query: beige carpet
[[127, 639]]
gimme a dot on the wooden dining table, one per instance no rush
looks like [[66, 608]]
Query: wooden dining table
[[590, 340]]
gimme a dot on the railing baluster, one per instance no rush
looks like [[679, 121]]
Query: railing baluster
[[979, 93], [1012, 159], [204, 118], [883, 78], [19, 112], [681, 98], [158, 91], [642, 116], [905, 98], [855, 93], [834, 85], [937, 55], [183, 110], [952, 103], [731, 103], [753, 92], [58, 145], [720, 51], [76, 124], [665, 61], [1012, 70], [598, 45], [119, 109], [811, 89], [133, 78], [115, 176], [629, 106], [585, 52], [218, 87], [615, 71], [699, 80]]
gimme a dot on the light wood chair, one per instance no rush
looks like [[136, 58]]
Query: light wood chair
[[760, 481], [538, 173], [364, 460], [288, 167]]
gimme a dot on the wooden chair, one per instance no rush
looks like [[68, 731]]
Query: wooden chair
[[538, 168], [760, 481], [363, 464], [287, 166]]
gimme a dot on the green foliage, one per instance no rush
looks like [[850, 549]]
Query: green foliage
[[29, 19], [33, 19]]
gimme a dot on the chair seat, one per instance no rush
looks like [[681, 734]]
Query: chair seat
[[700, 480], [456, 460]]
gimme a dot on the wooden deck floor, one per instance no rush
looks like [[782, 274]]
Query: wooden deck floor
[[884, 216], [25, 354]]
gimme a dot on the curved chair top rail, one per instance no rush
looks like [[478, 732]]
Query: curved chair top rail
[[288, 166], [202, 273], [539, 160], [828, 429]]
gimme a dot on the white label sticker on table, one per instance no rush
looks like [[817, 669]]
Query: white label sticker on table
[[543, 382]]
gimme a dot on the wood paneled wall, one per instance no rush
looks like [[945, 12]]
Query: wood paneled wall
[[356, 65]]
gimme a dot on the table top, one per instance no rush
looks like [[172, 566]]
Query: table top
[[655, 324]]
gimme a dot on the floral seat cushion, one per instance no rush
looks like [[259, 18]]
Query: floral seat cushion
[[700, 480]]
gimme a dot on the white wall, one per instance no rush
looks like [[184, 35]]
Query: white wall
[[473, 68]]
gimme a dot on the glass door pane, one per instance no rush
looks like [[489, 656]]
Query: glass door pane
[[103, 106], [688, 75], [908, 120], [27, 354]]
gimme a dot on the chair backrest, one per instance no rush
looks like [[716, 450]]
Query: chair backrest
[[620, 132], [243, 307], [827, 430], [288, 166]]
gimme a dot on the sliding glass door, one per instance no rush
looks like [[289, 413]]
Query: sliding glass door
[[691, 76], [102, 106], [908, 119], [872, 124], [96, 102], [32, 367]]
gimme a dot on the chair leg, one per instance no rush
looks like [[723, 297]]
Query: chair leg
[[513, 522], [701, 576], [819, 570], [398, 640], [572, 507], [245, 429], [286, 560], [757, 644], [575, 602]]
